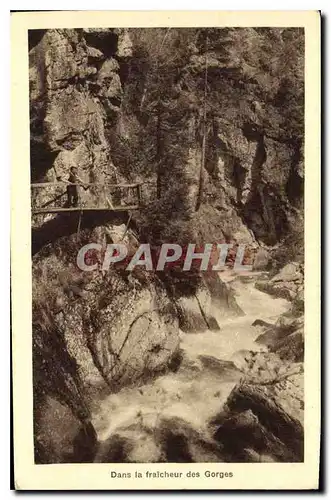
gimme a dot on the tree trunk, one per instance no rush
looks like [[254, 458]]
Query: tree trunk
[[158, 151], [203, 147]]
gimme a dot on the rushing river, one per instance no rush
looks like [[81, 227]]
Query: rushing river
[[197, 391]]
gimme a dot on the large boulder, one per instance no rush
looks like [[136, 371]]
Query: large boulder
[[212, 301], [118, 327], [291, 272], [258, 425], [261, 259], [287, 283], [286, 338]]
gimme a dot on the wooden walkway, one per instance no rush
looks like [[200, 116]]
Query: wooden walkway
[[92, 197], [53, 210]]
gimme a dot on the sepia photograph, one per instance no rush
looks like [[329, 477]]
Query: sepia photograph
[[168, 262]]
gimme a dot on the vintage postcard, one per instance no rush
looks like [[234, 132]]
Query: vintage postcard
[[165, 250]]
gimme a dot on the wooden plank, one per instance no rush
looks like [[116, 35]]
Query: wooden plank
[[53, 199], [64, 183], [51, 210]]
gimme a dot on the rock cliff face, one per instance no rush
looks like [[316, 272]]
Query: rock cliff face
[[240, 90], [136, 104], [218, 111], [74, 89]]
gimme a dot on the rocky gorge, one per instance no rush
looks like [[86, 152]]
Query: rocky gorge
[[169, 366]]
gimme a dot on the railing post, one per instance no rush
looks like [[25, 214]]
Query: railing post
[[139, 194]]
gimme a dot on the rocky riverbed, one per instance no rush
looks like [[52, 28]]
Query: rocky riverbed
[[194, 414], [232, 395]]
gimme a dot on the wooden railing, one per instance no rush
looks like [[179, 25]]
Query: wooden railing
[[90, 197]]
